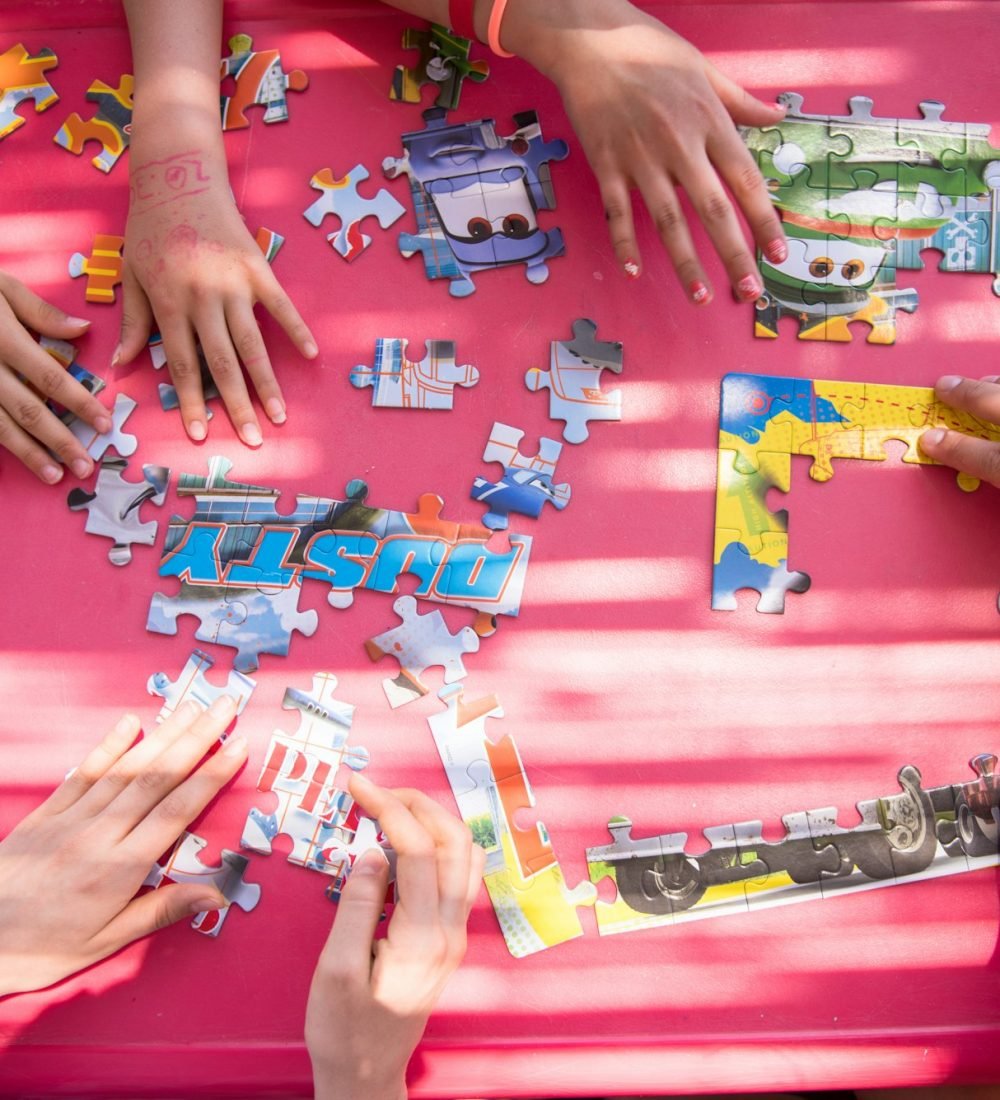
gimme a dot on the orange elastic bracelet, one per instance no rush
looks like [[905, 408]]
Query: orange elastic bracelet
[[493, 28]]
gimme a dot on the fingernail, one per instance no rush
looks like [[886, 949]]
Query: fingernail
[[81, 466], [51, 474], [103, 424], [779, 106], [275, 410], [933, 437], [699, 293], [749, 287], [372, 861], [631, 269], [235, 746], [309, 350], [77, 321], [223, 706], [116, 358], [206, 904], [948, 382], [197, 430], [777, 250], [250, 434]]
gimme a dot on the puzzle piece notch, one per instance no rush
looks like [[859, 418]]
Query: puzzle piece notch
[[399, 383], [443, 62], [259, 80], [340, 197], [183, 864], [22, 78], [418, 643], [574, 380], [193, 685], [527, 481], [110, 125], [113, 507], [103, 268]]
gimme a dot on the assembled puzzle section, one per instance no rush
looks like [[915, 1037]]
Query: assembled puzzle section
[[103, 268], [113, 507], [260, 80], [183, 864], [574, 380], [527, 481], [321, 819], [443, 62], [763, 421], [860, 198], [399, 383], [340, 198], [910, 835], [110, 126], [192, 685], [535, 907], [476, 196], [22, 78]]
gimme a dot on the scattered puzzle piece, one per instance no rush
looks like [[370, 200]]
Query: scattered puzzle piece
[[183, 864], [113, 507], [526, 483], [260, 80], [111, 125], [22, 77], [192, 684], [103, 268], [428, 383], [443, 62], [420, 642], [340, 197], [476, 196], [574, 380]]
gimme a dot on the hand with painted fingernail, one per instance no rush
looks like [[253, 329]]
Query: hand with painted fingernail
[[70, 870], [980, 458], [29, 377], [371, 998], [192, 268]]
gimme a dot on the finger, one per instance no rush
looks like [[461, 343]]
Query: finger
[[35, 419], [185, 372], [253, 354], [662, 202], [416, 858], [621, 226], [153, 911], [982, 398], [978, 458], [454, 852], [26, 450], [477, 866], [50, 379], [744, 108], [39, 315], [280, 306], [347, 953], [95, 764], [742, 176], [224, 366], [137, 320]]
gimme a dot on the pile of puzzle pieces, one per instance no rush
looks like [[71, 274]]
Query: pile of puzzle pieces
[[765, 420]]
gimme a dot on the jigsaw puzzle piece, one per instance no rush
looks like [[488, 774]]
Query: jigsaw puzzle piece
[[110, 125], [113, 507], [766, 572], [527, 481], [574, 380], [420, 642], [260, 80], [340, 197], [22, 77], [103, 268], [443, 62], [427, 383], [183, 864], [193, 685], [324, 720], [352, 843]]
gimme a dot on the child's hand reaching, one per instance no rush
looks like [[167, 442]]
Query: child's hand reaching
[[978, 457], [370, 999], [69, 871]]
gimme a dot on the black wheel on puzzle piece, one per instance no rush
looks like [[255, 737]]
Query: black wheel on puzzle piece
[[974, 840], [663, 884]]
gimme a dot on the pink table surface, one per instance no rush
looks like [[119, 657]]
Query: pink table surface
[[625, 693]]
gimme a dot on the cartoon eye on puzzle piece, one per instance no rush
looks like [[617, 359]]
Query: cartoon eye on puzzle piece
[[259, 79], [443, 62], [110, 126], [22, 78], [399, 383]]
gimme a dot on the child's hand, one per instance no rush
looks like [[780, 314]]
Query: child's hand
[[653, 115], [370, 1001], [29, 375], [978, 457], [69, 871]]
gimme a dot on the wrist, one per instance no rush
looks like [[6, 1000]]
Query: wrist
[[335, 1081]]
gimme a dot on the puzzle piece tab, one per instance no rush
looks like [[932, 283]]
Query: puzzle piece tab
[[103, 268], [260, 80], [22, 77], [399, 383], [443, 62], [113, 507], [574, 380], [110, 125], [192, 685], [527, 481]]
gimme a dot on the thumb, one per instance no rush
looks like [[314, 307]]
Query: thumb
[[744, 108], [137, 320], [158, 909], [42, 316], [348, 949]]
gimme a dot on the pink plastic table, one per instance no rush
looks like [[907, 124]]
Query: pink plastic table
[[625, 693]]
